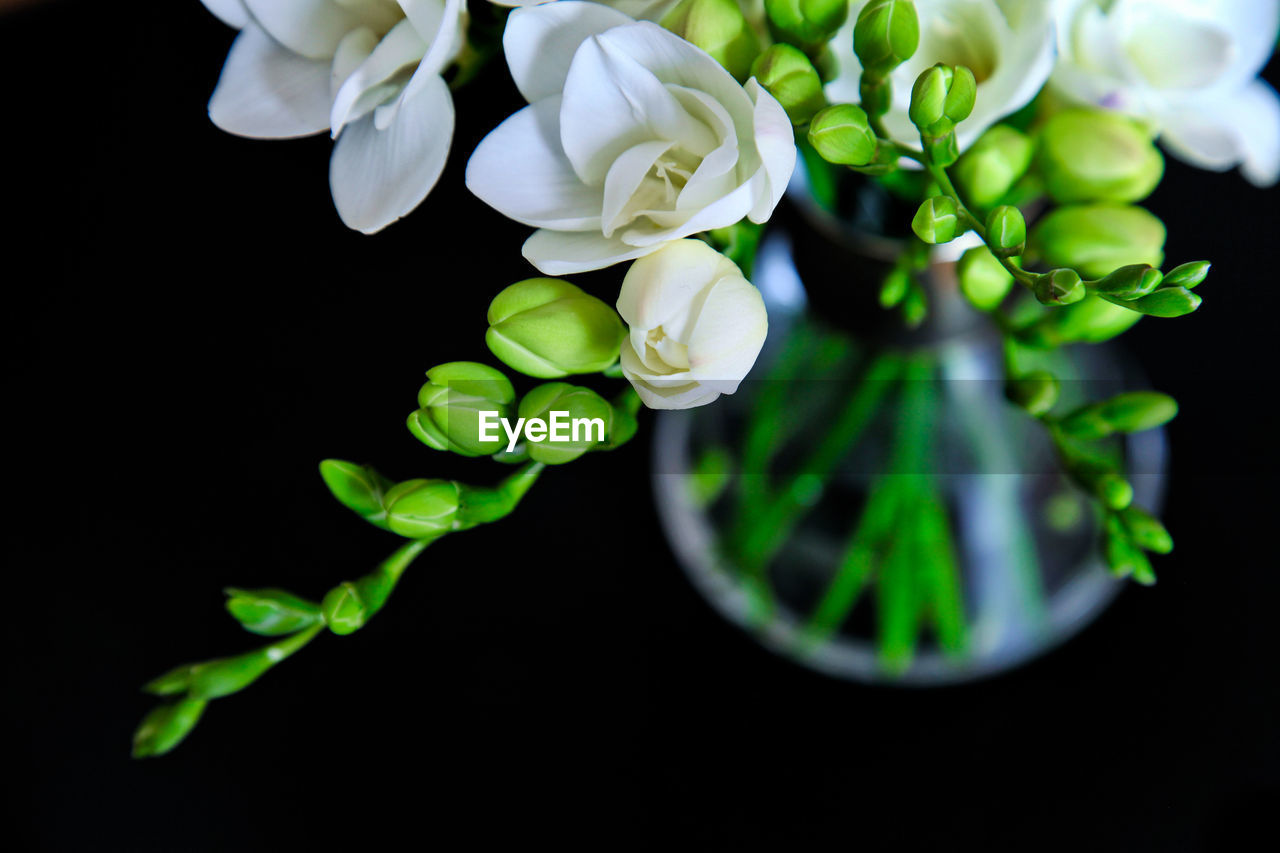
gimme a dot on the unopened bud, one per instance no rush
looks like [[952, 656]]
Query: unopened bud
[[450, 404], [886, 35], [1187, 275], [421, 508], [1145, 530], [574, 420], [1097, 238], [271, 612], [1097, 155], [1060, 287], [719, 28], [992, 165], [983, 279], [1036, 392], [1129, 281], [806, 23], [1166, 302], [1006, 231], [549, 328], [790, 77], [841, 135], [937, 220], [166, 726]]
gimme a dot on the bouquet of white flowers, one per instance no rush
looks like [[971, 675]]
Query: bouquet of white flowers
[[662, 135]]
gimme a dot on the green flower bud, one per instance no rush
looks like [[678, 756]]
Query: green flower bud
[[1091, 320], [886, 35], [224, 676], [358, 488], [1129, 281], [1097, 155], [1060, 287], [450, 405], [929, 99], [1037, 392], [1122, 557], [790, 77], [983, 280], [992, 165], [1166, 302], [271, 612], [421, 508], [166, 726], [1006, 231], [549, 328], [937, 220], [575, 421], [895, 287], [1096, 238], [806, 23], [841, 134], [1132, 411], [1187, 275], [1114, 491], [962, 94], [719, 28], [344, 610], [1145, 530]]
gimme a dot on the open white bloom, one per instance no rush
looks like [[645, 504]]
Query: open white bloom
[[632, 138], [696, 325], [1007, 44], [1187, 66], [368, 71]]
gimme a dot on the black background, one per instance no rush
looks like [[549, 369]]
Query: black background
[[189, 329]]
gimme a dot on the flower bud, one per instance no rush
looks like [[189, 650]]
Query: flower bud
[[1006, 231], [1133, 411], [450, 405], [1113, 490], [549, 328], [165, 727], [1145, 530], [790, 77], [1092, 320], [1096, 238], [719, 28], [577, 419], [420, 508], [1166, 302], [929, 98], [841, 135], [696, 325], [992, 165], [1060, 287], [357, 487], [937, 220], [805, 23], [1129, 281], [886, 35], [271, 612], [1122, 557], [983, 280], [1097, 155], [1187, 275], [1036, 392]]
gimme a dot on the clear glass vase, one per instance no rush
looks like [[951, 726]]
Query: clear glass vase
[[868, 504]]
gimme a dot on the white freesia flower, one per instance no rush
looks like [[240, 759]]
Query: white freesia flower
[[1007, 44], [1187, 66], [632, 138], [696, 325], [368, 71]]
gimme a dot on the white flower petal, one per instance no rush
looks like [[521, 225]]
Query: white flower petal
[[371, 83], [378, 176], [354, 49], [612, 102], [267, 92], [629, 188], [446, 41], [1240, 130], [311, 28], [520, 170], [728, 335], [230, 12], [661, 286], [540, 41], [775, 141], [567, 252]]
